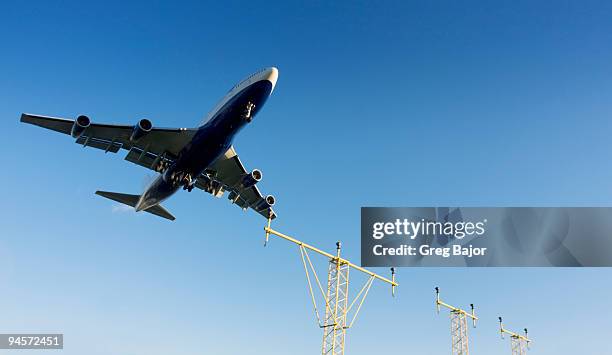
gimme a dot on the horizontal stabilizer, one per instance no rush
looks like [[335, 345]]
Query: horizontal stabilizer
[[126, 199], [132, 200], [158, 210]]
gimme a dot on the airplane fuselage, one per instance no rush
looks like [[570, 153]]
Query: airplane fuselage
[[213, 138]]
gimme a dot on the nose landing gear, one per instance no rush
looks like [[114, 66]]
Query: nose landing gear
[[248, 112]]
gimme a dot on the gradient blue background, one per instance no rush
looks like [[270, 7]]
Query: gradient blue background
[[419, 103]]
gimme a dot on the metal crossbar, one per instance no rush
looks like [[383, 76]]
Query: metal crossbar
[[340, 311], [519, 344]]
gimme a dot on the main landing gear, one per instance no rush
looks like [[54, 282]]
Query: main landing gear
[[188, 183], [182, 179], [161, 166], [177, 178]]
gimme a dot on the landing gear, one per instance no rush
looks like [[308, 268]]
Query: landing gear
[[176, 178], [161, 166], [180, 179], [188, 182], [248, 111]]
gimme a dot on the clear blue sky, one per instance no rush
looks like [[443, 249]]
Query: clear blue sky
[[411, 103]]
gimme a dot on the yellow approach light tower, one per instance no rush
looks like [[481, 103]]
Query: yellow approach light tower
[[518, 342], [340, 310], [459, 328]]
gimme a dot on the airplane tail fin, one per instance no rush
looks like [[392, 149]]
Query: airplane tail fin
[[132, 200]]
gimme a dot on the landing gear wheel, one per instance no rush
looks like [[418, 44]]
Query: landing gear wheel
[[161, 166], [186, 181], [176, 178], [248, 111]]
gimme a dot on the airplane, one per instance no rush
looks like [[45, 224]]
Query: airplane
[[201, 157]]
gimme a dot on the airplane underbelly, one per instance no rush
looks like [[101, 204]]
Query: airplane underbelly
[[201, 156], [156, 193], [208, 158]]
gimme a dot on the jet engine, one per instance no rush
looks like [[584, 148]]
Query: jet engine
[[251, 179], [79, 126], [267, 202], [270, 200], [143, 127]]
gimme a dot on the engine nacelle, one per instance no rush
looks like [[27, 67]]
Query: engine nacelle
[[143, 127], [267, 202], [79, 126], [251, 179]]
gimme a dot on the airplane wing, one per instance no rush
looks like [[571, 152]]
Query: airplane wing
[[158, 143], [227, 173]]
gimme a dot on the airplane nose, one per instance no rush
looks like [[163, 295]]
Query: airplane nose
[[272, 76]]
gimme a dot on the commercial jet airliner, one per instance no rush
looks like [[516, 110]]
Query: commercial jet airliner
[[201, 157]]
